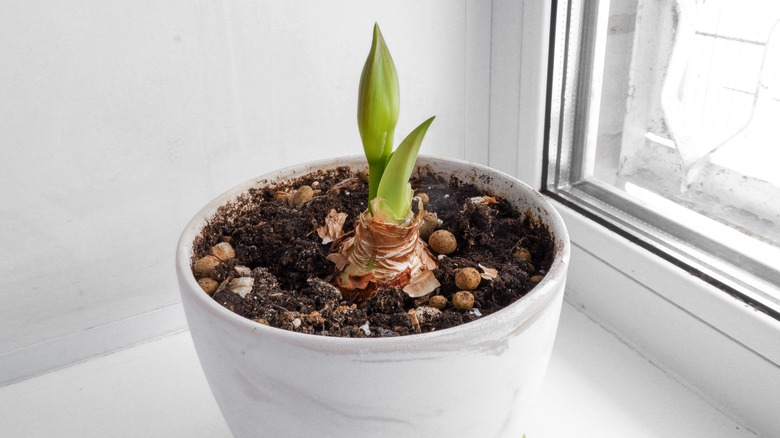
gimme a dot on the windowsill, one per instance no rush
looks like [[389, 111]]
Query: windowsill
[[595, 386]]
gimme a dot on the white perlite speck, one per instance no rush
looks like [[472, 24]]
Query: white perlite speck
[[243, 271], [241, 285], [366, 329]]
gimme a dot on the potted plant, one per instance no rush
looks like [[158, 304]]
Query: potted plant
[[473, 379]]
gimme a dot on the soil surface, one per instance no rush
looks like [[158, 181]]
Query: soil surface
[[276, 244]]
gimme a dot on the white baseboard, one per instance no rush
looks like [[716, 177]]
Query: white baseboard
[[67, 350]]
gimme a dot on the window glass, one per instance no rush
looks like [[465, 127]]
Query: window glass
[[665, 119]]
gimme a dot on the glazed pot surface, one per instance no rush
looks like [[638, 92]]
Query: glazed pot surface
[[473, 380]]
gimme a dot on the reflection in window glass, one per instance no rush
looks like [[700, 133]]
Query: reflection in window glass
[[668, 111]]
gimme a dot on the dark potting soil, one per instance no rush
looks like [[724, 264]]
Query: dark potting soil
[[279, 247]]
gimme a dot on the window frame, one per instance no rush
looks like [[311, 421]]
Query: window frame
[[718, 264], [693, 325]]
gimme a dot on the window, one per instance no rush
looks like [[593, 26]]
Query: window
[[663, 127]]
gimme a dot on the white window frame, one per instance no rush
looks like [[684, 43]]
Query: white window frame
[[724, 350]]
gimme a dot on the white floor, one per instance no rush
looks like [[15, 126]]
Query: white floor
[[596, 387]]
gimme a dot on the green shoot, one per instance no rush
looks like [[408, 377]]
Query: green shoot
[[378, 105], [394, 188], [378, 101]]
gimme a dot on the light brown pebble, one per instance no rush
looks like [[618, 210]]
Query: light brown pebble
[[282, 196], [208, 285], [423, 197], [437, 302], [363, 175], [261, 321], [463, 300], [415, 322], [443, 242], [537, 278], [223, 251], [467, 278], [303, 194], [429, 224], [523, 254], [204, 266]]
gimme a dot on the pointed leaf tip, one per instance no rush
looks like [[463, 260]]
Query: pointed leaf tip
[[394, 186], [378, 100], [378, 107]]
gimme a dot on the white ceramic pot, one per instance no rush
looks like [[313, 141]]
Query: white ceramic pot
[[474, 380]]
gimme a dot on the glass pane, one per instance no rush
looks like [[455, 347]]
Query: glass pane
[[673, 113]]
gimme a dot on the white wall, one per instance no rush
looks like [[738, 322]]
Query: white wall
[[119, 120]]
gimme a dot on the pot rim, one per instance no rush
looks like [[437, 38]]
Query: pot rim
[[514, 314]]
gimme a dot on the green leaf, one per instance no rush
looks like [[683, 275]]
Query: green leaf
[[378, 106], [394, 188]]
